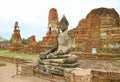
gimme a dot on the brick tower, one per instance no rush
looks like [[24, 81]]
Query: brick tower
[[53, 30], [16, 42]]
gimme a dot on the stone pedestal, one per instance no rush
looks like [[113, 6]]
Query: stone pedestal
[[57, 65], [68, 77]]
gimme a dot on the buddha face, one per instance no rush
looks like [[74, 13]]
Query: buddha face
[[63, 26]]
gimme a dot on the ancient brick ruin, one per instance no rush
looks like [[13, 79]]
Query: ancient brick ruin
[[4, 45], [53, 30], [33, 47], [16, 42], [99, 31]]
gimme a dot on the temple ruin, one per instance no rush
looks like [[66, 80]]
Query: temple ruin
[[53, 30], [33, 47], [16, 42], [98, 32]]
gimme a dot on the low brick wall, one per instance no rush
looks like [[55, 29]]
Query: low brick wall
[[11, 59], [87, 75], [90, 56], [100, 76], [27, 70], [78, 75]]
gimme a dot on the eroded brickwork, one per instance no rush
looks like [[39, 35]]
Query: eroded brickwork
[[53, 30], [100, 30], [33, 47], [16, 43]]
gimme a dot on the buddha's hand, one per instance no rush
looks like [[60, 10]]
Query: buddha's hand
[[43, 55], [69, 50]]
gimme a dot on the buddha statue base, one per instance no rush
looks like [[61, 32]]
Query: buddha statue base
[[58, 65]]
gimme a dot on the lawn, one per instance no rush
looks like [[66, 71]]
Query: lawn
[[20, 55]]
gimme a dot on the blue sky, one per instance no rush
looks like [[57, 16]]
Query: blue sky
[[32, 15]]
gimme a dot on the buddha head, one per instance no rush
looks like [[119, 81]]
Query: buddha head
[[64, 24]]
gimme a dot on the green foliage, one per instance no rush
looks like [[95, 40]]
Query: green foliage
[[26, 41], [20, 55], [3, 40]]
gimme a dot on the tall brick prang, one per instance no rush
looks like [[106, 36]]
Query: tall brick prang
[[53, 30]]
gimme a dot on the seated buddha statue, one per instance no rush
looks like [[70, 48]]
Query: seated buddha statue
[[62, 54]]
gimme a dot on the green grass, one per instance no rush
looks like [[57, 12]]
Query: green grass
[[20, 55]]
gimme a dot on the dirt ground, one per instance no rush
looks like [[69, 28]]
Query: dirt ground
[[6, 73]]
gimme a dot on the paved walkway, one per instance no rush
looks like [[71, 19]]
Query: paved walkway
[[6, 73]]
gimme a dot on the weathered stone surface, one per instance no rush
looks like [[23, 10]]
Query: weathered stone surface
[[111, 66], [78, 75], [100, 30], [53, 30], [55, 60], [32, 41], [16, 43], [97, 56], [33, 47], [81, 75], [28, 68], [102, 76], [11, 60], [53, 22], [68, 77], [88, 75]]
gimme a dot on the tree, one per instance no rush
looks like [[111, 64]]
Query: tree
[[26, 41]]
